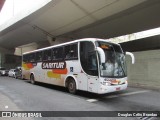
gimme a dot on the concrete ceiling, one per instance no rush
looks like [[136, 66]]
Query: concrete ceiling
[[1, 4], [82, 18]]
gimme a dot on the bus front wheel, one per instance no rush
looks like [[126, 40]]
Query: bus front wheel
[[72, 86]]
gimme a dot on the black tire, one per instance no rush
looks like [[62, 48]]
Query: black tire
[[32, 80], [72, 86]]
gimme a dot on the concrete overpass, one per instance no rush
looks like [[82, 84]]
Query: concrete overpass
[[61, 20]]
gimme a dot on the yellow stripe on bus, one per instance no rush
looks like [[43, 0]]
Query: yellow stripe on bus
[[53, 75]]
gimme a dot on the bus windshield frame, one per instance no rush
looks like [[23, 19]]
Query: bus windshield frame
[[115, 64]]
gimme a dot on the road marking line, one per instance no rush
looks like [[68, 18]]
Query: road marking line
[[6, 106], [126, 94], [120, 95], [132, 93], [146, 118], [92, 100]]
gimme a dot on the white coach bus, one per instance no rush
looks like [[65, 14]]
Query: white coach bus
[[90, 64]]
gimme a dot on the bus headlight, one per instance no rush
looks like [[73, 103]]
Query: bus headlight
[[106, 83], [126, 82]]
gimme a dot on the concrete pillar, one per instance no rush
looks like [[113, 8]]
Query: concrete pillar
[[8, 59], [0, 60], [3, 51]]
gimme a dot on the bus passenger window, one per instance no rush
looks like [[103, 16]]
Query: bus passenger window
[[67, 52], [71, 52], [53, 55], [39, 56], [57, 53], [25, 58], [31, 57], [47, 55]]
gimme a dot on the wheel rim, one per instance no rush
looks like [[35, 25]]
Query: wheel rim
[[72, 87]]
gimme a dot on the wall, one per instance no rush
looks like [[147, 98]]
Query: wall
[[146, 70]]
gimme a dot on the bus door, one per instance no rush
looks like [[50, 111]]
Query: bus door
[[88, 59], [93, 72]]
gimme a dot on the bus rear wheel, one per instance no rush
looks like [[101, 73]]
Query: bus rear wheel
[[32, 79], [72, 86]]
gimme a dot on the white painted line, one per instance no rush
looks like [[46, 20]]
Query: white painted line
[[92, 100], [132, 93], [120, 95], [6, 106], [126, 94], [145, 118], [151, 118]]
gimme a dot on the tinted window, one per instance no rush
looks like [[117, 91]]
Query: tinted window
[[39, 56], [71, 52], [31, 57], [25, 58], [88, 58], [47, 56], [57, 53]]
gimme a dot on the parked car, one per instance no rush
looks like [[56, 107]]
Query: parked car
[[19, 68], [16, 73], [11, 73], [3, 71]]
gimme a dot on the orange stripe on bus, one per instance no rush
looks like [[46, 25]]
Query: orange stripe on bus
[[60, 71], [29, 65]]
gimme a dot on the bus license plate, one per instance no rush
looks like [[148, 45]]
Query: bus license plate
[[118, 88]]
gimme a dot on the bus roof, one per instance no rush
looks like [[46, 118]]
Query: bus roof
[[66, 43]]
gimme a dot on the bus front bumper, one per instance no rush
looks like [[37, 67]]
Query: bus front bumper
[[113, 88]]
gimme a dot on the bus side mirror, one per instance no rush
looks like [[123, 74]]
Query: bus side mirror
[[132, 56], [101, 54]]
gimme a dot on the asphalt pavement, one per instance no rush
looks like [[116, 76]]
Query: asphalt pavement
[[21, 95]]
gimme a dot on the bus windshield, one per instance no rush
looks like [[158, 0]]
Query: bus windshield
[[114, 65]]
